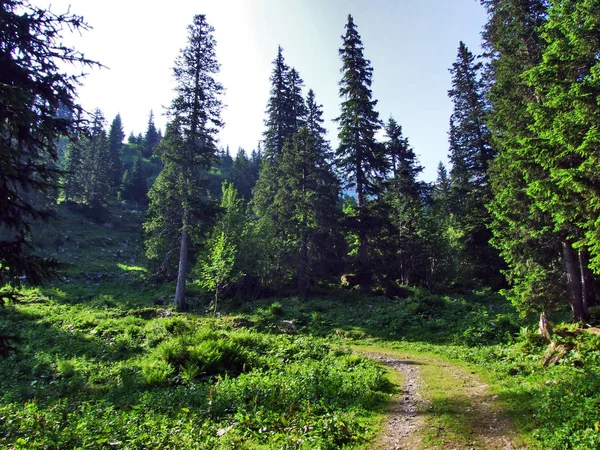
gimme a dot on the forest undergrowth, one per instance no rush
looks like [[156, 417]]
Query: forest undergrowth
[[100, 359]]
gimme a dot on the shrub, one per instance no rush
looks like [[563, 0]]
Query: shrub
[[156, 372], [276, 309], [65, 368]]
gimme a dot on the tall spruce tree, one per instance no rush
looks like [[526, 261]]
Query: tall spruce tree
[[359, 156], [115, 145], [242, 175], [189, 150], [151, 138], [400, 249], [34, 87], [96, 163], [133, 186], [285, 113], [565, 122], [280, 122], [306, 202], [73, 183], [522, 232], [470, 154]]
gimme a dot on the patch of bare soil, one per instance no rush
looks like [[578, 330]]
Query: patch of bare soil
[[404, 418], [491, 429]]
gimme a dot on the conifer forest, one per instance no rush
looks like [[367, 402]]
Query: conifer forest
[[161, 290]]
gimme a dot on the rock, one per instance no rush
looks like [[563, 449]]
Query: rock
[[287, 326], [108, 225]]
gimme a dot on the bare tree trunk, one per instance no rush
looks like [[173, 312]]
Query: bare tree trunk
[[216, 299], [183, 258], [363, 258], [587, 288], [544, 329], [574, 281], [303, 268]]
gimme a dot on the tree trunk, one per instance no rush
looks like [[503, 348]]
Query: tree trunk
[[588, 295], [302, 268], [363, 258], [574, 281], [544, 329], [216, 299], [181, 275]]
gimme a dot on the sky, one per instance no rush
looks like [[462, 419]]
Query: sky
[[411, 45]]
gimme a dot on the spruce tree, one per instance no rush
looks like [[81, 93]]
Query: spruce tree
[[280, 123], [360, 157], [151, 137], [189, 150], [115, 144], [73, 183], [242, 175], [400, 250], [96, 163], [34, 89], [306, 203], [470, 154], [565, 122], [256, 161], [522, 232], [133, 186], [285, 113]]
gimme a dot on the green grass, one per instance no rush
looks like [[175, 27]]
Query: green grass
[[93, 362]]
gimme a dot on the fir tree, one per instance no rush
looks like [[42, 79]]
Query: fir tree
[[151, 138], [401, 251], [34, 89], [73, 183], [306, 203], [359, 156], [256, 161], [470, 155], [565, 120], [134, 186], [189, 150], [285, 112], [115, 144], [279, 124], [96, 163], [522, 232], [242, 175]]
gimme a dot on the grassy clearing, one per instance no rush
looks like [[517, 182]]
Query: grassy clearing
[[84, 377], [95, 363]]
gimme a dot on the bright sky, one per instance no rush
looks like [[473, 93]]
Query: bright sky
[[411, 45]]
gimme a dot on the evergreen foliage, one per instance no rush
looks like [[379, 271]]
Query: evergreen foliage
[[470, 155], [73, 180], [243, 175], [151, 138], [399, 245], [115, 144], [522, 231], [565, 118], [33, 88], [360, 157], [133, 186], [96, 163], [178, 198]]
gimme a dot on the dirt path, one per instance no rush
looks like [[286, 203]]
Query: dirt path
[[442, 406]]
